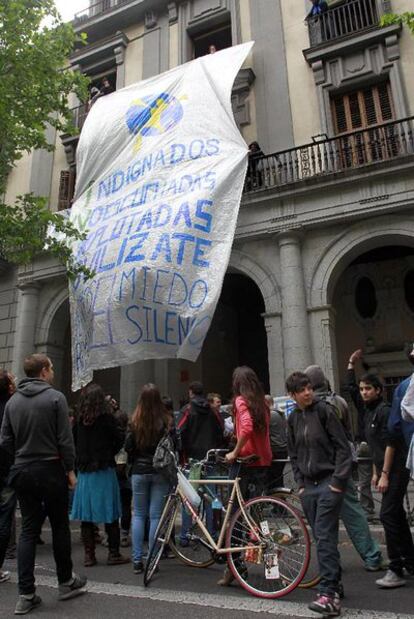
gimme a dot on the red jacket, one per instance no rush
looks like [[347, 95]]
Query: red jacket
[[257, 443]]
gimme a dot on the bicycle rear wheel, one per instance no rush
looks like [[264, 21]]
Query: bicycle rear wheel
[[312, 577], [190, 546], [277, 553], [162, 536]]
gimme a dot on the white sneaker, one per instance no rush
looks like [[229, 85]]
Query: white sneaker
[[391, 580]]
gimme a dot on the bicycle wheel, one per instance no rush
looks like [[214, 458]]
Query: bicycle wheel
[[190, 545], [277, 553], [312, 577], [162, 535]]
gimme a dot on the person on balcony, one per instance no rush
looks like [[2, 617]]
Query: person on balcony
[[318, 7]]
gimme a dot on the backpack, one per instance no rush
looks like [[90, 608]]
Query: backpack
[[164, 459], [332, 403]]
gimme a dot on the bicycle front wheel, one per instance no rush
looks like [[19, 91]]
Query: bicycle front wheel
[[276, 547], [312, 577], [162, 537], [188, 542]]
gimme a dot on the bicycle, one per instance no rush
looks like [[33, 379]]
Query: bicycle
[[265, 540]]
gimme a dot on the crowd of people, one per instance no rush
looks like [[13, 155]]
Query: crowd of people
[[96, 466]]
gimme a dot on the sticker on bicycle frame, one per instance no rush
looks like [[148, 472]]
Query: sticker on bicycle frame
[[271, 564], [264, 526]]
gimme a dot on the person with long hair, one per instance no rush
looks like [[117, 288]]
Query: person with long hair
[[98, 438], [150, 421], [251, 423]]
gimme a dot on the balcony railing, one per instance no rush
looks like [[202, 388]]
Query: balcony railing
[[348, 151], [343, 20], [98, 8]]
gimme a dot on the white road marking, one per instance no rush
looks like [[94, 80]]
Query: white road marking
[[212, 600]]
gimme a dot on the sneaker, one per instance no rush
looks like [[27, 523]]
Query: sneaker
[[327, 605], [391, 580], [138, 567], [377, 567], [26, 604], [73, 588], [4, 576], [184, 543]]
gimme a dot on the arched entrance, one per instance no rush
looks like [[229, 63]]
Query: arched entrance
[[237, 335], [374, 304], [58, 347]]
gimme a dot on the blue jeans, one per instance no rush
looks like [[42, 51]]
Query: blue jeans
[[354, 518], [148, 496]]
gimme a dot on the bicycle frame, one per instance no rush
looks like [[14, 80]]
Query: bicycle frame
[[217, 546]]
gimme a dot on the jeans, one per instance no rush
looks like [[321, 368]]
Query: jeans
[[148, 496], [40, 488], [7, 507], [322, 507], [398, 536], [356, 524], [186, 518]]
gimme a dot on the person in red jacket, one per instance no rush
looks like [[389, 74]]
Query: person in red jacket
[[251, 422]]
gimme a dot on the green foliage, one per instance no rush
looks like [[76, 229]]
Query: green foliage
[[34, 93], [404, 18]]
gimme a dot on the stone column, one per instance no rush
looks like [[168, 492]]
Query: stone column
[[296, 337], [322, 324], [133, 378], [25, 325], [273, 326]]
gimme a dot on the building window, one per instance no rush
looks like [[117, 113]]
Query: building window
[[217, 38], [363, 113], [409, 289], [362, 108], [390, 383], [366, 298], [66, 189]]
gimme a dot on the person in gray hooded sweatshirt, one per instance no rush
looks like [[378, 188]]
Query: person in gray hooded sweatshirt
[[36, 433], [352, 513]]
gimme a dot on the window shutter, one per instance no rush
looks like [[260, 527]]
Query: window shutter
[[363, 108], [66, 189]]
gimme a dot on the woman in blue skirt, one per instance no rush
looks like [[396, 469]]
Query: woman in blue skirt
[[98, 439]]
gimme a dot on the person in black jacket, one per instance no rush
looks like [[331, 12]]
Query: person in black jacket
[[389, 474], [7, 494], [201, 428], [150, 422], [98, 437], [321, 462]]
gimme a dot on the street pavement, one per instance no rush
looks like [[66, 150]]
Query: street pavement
[[180, 592]]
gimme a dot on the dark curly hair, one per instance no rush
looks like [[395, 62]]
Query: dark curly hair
[[92, 404]]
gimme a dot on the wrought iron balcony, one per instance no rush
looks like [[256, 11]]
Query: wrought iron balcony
[[102, 6], [358, 149], [342, 21]]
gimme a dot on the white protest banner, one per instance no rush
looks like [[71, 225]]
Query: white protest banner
[[161, 166]]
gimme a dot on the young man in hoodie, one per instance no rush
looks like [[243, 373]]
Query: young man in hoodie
[[7, 494], [36, 433], [321, 461], [352, 512]]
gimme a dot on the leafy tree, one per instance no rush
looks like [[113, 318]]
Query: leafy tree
[[34, 93], [404, 18]]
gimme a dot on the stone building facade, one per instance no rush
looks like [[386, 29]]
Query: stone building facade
[[323, 258]]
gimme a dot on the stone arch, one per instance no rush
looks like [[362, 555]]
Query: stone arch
[[264, 280], [53, 303], [345, 247]]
